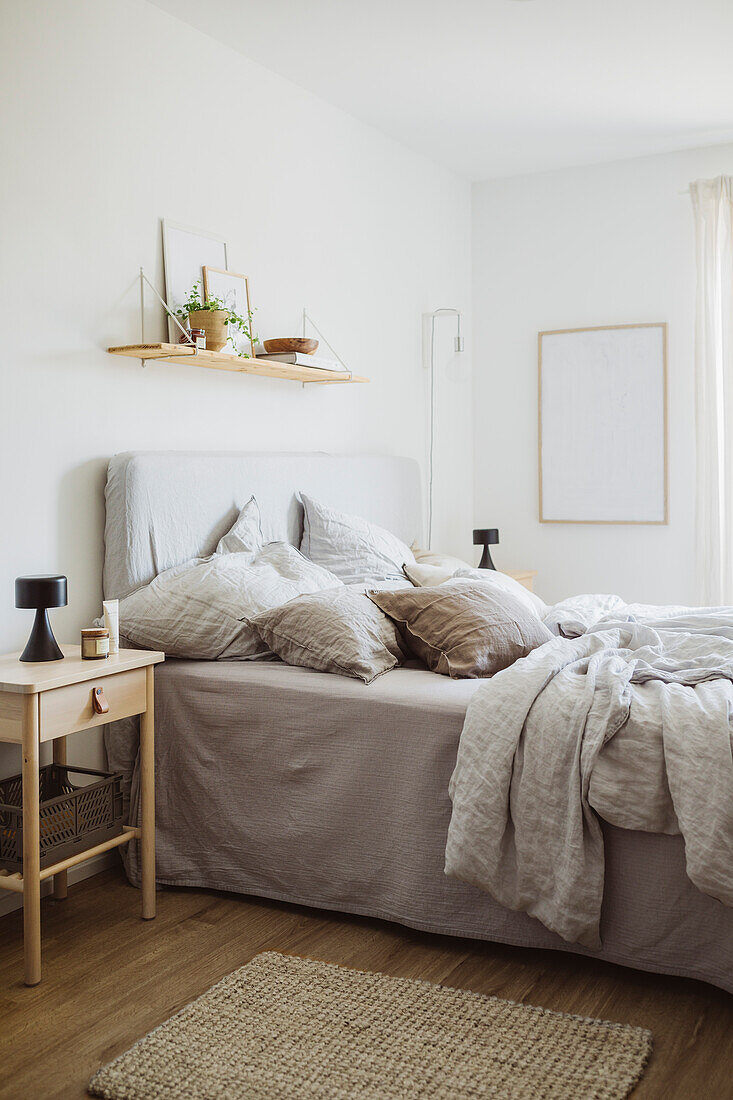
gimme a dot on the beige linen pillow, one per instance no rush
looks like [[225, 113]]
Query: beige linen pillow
[[339, 630], [463, 628]]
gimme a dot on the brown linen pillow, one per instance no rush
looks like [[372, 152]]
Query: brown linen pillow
[[463, 628], [337, 630]]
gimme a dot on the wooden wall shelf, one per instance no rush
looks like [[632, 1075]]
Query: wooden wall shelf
[[217, 360]]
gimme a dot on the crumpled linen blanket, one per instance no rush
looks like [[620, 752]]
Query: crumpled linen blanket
[[522, 825]]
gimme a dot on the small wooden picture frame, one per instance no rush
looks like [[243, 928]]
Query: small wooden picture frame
[[233, 289]]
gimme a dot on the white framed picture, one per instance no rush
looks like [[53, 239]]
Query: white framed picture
[[233, 290], [185, 253], [603, 425]]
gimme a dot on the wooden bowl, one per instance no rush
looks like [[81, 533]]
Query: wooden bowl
[[291, 343]]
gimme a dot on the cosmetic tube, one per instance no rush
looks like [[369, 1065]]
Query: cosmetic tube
[[111, 610]]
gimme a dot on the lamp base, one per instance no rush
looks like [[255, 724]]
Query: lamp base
[[486, 562], [41, 645]]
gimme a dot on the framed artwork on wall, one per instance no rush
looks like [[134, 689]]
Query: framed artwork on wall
[[233, 290], [603, 425], [185, 253]]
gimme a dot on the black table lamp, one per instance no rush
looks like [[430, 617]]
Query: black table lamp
[[486, 537], [41, 593]]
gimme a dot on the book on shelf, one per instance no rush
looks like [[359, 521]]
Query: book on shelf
[[300, 359]]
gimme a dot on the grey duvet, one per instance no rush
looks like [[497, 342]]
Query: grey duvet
[[525, 821], [316, 789]]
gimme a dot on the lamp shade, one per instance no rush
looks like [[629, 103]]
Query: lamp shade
[[47, 590], [486, 536], [40, 593]]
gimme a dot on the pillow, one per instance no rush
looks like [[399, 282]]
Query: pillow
[[201, 609], [449, 567], [357, 551], [442, 561], [426, 576], [463, 628], [339, 630], [389, 584], [245, 535], [503, 582]]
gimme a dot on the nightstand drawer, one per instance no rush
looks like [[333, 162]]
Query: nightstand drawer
[[68, 709]]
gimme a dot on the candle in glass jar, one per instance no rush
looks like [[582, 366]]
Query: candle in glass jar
[[94, 643]]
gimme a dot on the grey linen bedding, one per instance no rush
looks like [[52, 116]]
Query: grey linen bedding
[[524, 824], [315, 789]]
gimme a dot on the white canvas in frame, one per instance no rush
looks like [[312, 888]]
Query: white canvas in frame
[[185, 251], [603, 425]]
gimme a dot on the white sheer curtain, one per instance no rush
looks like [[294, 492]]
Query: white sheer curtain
[[712, 201]]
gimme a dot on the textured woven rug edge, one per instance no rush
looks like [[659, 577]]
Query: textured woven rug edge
[[459, 989], [95, 1090]]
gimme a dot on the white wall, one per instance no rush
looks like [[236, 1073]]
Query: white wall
[[114, 115], [606, 244]]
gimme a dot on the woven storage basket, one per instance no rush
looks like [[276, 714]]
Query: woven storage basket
[[72, 817]]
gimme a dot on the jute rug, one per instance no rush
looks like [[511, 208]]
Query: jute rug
[[285, 1027]]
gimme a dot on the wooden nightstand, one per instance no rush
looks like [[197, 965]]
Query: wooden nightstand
[[525, 577], [46, 702]]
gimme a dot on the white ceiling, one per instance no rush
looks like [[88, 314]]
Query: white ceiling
[[499, 87]]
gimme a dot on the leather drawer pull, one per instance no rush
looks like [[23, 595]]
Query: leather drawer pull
[[99, 701]]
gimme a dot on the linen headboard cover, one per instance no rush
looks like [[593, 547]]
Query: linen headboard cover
[[165, 507]]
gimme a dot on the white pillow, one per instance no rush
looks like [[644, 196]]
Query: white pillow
[[441, 561], [507, 584], [357, 551], [438, 568], [426, 576], [201, 609], [245, 534]]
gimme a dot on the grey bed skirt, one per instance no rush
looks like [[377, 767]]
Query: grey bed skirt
[[318, 790]]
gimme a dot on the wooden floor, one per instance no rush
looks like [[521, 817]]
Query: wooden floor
[[110, 977]]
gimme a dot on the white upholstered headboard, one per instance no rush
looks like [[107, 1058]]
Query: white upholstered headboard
[[165, 507]]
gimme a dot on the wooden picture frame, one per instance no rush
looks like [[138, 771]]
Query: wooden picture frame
[[234, 290], [603, 425]]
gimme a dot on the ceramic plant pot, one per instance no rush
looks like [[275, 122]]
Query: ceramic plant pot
[[214, 323]]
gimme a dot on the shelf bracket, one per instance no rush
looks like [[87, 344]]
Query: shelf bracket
[[308, 319], [189, 342]]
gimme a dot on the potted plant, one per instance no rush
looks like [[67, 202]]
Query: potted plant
[[215, 318]]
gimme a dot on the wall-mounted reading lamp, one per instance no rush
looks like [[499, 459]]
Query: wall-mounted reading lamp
[[457, 347]]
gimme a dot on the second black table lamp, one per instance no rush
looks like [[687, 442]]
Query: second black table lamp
[[486, 537]]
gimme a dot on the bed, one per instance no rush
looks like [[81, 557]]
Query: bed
[[319, 790]]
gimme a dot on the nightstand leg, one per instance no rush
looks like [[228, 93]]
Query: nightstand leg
[[147, 796], [59, 880], [31, 844]]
